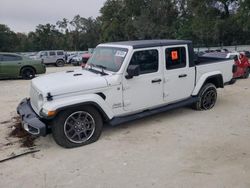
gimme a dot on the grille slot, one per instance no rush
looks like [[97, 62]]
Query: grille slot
[[34, 97]]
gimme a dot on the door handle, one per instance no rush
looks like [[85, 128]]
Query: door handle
[[182, 76], [156, 81]]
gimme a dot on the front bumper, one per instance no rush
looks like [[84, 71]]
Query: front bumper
[[30, 120]]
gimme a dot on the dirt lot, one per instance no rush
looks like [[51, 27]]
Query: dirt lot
[[181, 148]]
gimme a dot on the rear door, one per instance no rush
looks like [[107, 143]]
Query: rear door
[[10, 65], [52, 56], [179, 78], [60, 55]]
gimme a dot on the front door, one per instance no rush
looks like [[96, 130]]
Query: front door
[[146, 90], [179, 77], [45, 57]]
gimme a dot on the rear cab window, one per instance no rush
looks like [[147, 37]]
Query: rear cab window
[[175, 57], [148, 60], [44, 54]]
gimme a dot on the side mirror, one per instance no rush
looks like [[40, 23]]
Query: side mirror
[[133, 70]]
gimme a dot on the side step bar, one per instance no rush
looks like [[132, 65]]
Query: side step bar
[[124, 119]]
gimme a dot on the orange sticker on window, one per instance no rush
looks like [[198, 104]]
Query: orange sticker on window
[[174, 55]]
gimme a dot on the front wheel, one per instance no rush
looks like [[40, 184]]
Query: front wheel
[[207, 97], [77, 127]]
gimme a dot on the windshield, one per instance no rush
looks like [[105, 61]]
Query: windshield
[[109, 58]]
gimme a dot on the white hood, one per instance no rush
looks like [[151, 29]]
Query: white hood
[[69, 82]]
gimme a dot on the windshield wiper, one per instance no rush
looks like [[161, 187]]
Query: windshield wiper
[[98, 66], [102, 67]]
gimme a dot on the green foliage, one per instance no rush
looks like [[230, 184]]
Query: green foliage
[[8, 39], [206, 22]]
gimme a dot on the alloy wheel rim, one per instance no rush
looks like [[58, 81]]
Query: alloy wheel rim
[[79, 127], [209, 99]]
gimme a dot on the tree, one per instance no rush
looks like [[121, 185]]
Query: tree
[[205, 22], [47, 37], [8, 39]]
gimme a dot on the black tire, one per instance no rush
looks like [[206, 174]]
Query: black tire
[[246, 75], [60, 63], [232, 81], [207, 97], [63, 130], [28, 73]]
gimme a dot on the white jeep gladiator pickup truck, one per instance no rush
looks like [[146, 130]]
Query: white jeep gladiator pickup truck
[[121, 82]]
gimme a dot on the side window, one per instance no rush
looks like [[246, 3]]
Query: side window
[[175, 58], [148, 61], [44, 54], [60, 53], [9, 57], [52, 53], [1, 58]]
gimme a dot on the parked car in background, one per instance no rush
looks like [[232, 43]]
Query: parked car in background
[[76, 61], [82, 60], [13, 66], [243, 66], [86, 57], [56, 57], [75, 56], [247, 54]]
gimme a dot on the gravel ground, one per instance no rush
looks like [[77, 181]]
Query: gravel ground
[[180, 148]]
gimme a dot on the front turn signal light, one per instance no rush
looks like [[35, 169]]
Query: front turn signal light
[[51, 113]]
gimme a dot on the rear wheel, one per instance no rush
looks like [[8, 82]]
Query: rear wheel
[[27, 73], [60, 63], [246, 74], [77, 127], [207, 97], [232, 81]]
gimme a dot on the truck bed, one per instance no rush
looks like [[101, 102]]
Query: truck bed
[[207, 65]]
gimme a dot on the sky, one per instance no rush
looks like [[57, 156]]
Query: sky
[[24, 15]]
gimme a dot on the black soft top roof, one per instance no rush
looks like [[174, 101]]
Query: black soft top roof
[[151, 43]]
